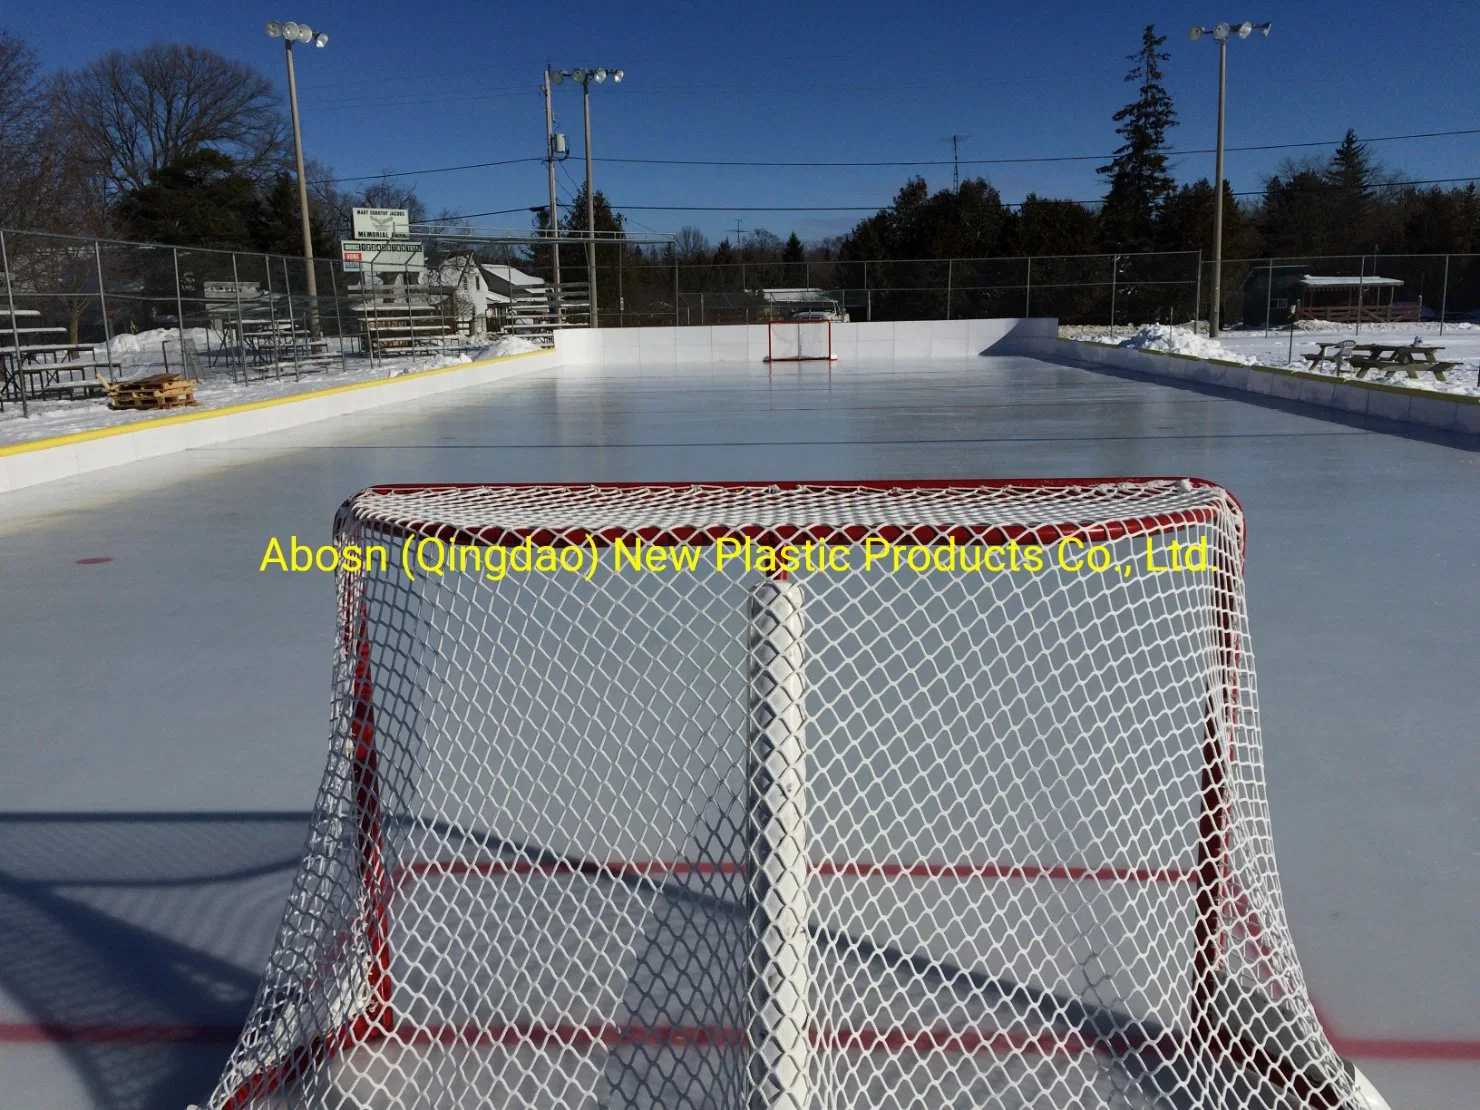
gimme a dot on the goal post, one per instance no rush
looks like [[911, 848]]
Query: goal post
[[799, 341], [780, 796]]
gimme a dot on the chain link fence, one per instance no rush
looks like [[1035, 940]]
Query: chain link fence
[[75, 308]]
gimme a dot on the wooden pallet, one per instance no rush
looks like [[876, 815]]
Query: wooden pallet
[[158, 391]]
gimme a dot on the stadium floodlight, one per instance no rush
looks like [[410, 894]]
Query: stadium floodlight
[[585, 76], [290, 33], [1221, 34]]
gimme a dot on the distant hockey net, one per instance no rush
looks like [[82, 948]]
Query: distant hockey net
[[800, 341], [787, 796]]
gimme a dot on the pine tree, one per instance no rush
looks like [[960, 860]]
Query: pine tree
[[794, 257], [1351, 165], [1349, 177], [1139, 181]]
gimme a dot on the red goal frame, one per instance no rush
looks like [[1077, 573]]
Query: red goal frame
[[772, 356], [1215, 888]]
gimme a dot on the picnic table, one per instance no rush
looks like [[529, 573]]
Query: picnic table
[[1362, 357], [1411, 357]]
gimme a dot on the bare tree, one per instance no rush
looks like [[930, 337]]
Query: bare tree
[[384, 193], [133, 113], [22, 119], [690, 242]]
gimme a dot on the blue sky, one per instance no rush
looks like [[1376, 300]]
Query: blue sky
[[405, 86]]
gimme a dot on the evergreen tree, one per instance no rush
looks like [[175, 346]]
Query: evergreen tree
[[794, 259], [279, 229], [610, 255], [200, 199], [1187, 222], [1052, 227], [1349, 177], [1139, 180]]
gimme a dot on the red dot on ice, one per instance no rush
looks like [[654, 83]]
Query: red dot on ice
[[93, 560]]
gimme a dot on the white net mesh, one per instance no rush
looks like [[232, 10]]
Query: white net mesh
[[800, 340], [970, 828]]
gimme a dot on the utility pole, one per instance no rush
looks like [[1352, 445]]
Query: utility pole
[[590, 200], [584, 77], [291, 33], [1221, 34], [554, 223]]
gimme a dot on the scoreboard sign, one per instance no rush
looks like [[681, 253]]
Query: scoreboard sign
[[373, 255]]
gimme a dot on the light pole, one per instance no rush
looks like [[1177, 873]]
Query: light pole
[[1221, 34], [585, 77], [554, 146], [291, 33]]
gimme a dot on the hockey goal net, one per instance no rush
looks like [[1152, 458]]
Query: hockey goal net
[[787, 796], [800, 341]]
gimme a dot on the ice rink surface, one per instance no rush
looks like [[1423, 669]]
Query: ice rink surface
[[163, 706]]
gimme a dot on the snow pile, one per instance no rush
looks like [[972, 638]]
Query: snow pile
[[152, 342], [508, 345], [1176, 341]]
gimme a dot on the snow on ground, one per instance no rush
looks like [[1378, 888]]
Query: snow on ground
[[1459, 343], [141, 355]]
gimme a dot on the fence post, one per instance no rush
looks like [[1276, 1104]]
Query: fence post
[[1028, 290], [292, 324], [1268, 294], [179, 303], [1361, 281], [103, 304], [868, 295], [675, 287], [20, 381], [241, 333], [1114, 268], [338, 320], [950, 267], [406, 294], [277, 363], [1443, 297], [1197, 295], [621, 300]]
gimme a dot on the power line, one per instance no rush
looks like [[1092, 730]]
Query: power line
[[1017, 161], [891, 164], [417, 173], [880, 208], [1005, 204]]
